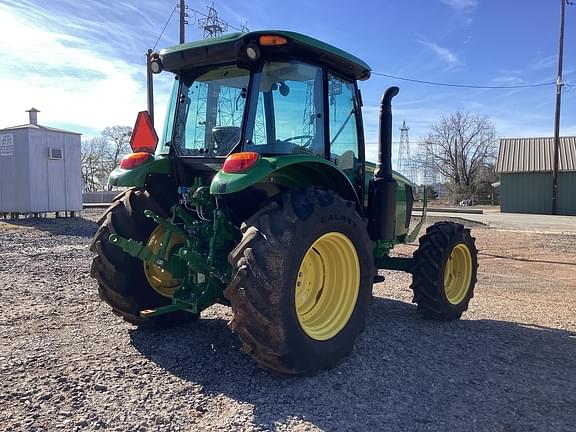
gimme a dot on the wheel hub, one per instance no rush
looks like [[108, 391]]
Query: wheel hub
[[159, 279], [327, 286], [458, 273]]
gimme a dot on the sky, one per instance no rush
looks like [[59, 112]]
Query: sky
[[82, 63]]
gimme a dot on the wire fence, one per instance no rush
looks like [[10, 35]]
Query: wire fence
[[466, 200]]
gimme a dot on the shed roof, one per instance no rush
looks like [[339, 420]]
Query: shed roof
[[38, 127], [535, 155]]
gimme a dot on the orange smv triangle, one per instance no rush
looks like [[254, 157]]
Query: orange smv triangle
[[144, 137]]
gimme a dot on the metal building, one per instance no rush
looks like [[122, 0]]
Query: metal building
[[525, 168], [39, 169]]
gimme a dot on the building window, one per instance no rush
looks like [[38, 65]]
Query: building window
[[55, 153]]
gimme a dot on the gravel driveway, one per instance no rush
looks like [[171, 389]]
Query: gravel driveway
[[67, 363]]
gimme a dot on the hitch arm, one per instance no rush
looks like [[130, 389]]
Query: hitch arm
[[412, 236], [133, 248]]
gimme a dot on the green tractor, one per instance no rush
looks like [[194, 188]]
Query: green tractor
[[259, 197]]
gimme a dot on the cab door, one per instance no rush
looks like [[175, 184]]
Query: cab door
[[346, 140]]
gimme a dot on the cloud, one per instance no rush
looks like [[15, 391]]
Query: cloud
[[508, 80], [444, 54], [548, 62], [461, 5], [72, 79], [462, 10]]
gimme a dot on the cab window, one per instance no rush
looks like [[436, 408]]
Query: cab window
[[211, 108], [342, 115], [288, 113]]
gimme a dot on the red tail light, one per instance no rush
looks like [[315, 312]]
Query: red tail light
[[144, 138], [238, 162], [134, 159]]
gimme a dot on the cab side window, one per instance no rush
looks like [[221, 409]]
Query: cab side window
[[342, 113]]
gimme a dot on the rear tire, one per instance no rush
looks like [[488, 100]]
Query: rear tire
[[121, 279], [266, 291], [444, 274]]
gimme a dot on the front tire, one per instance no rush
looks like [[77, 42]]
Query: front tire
[[444, 273], [122, 279], [303, 281]]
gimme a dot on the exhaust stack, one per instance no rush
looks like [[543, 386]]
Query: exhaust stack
[[384, 169], [382, 188]]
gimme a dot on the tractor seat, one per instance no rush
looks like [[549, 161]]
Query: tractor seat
[[225, 138]]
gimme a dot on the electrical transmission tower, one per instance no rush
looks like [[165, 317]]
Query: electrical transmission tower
[[212, 25], [405, 164], [404, 150], [308, 120], [222, 102], [430, 172]]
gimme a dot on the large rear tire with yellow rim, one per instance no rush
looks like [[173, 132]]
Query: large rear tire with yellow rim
[[302, 283], [444, 272], [127, 284]]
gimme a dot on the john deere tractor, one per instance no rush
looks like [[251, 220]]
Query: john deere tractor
[[259, 197]]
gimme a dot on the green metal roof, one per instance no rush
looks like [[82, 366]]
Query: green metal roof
[[348, 61], [535, 155]]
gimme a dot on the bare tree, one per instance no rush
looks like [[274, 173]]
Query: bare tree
[[101, 154], [459, 147], [118, 138], [92, 155]]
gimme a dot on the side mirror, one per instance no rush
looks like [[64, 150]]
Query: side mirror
[[284, 89]]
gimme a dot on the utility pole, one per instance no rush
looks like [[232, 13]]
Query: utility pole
[[559, 84], [183, 22]]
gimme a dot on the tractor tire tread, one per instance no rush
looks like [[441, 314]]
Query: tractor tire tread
[[429, 261], [255, 291], [121, 280]]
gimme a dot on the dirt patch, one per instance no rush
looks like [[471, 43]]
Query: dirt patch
[[67, 363]]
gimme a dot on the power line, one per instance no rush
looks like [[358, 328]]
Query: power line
[[464, 85], [165, 25]]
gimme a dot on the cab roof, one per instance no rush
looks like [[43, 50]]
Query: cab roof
[[231, 47]]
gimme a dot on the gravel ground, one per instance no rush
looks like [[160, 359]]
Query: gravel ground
[[67, 363]]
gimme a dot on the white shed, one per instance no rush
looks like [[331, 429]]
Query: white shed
[[39, 169]]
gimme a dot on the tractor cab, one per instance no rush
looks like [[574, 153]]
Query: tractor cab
[[263, 94]]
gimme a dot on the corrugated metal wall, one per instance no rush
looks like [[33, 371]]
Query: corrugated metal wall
[[56, 185], [532, 193], [14, 172], [567, 193], [31, 182]]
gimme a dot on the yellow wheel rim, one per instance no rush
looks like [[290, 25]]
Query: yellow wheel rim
[[327, 286], [159, 279], [458, 274]]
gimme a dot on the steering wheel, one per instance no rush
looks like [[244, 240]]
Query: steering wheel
[[297, 137]]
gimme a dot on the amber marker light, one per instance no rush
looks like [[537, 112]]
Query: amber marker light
[[238, 162], [134, 159], [272, 40]]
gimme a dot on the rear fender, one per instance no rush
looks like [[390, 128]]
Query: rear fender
[[136, 177], [286, 172]]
